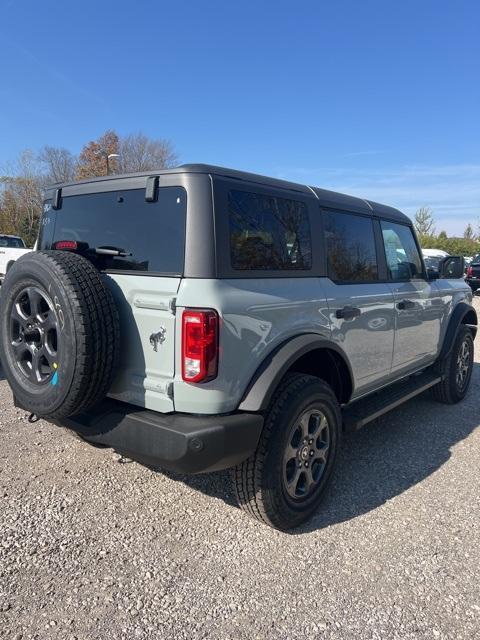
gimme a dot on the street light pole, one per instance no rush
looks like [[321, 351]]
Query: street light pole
[[107, 158], [110, 155]]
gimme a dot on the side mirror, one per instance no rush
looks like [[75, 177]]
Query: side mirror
[[452, 267]]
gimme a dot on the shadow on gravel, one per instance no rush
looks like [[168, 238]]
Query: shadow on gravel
[[379, 462], [215, 485], [2, 376]]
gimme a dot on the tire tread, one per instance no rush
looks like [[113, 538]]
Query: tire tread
[[247, 476]]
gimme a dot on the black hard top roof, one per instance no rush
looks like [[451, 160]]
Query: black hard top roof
[[327, 198]]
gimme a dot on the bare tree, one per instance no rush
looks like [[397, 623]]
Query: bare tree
[[423, 221], [59, 164], [21, 198], [22, 183], [469, 234], [140, 153]]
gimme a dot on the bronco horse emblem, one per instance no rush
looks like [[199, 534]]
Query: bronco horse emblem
[[158, 338]]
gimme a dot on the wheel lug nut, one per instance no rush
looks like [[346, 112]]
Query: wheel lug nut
[[311, 453], [310, 442], [306, 464], [299, 465]]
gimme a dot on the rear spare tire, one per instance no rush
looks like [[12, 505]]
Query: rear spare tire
[[59, 334]]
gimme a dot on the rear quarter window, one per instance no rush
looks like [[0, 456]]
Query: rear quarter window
[[151, 235], [268, 232], [351, 249]]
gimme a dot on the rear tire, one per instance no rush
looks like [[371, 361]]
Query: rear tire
[[456, 369], [283, 482], [59, 334]]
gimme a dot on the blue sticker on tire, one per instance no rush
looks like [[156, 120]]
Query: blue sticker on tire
[[54, 380]]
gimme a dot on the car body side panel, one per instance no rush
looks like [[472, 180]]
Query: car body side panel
[[418, 326], [367, 339], [255, 317], [451, 293]]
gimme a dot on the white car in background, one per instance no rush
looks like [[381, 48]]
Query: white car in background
[[11, 248], [432, 259]]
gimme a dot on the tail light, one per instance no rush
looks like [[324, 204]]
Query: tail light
[[470, 271], [66, 245], [199, 345]]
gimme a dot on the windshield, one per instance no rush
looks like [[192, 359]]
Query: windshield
[[476, 258], [120, 230], [11, 243]]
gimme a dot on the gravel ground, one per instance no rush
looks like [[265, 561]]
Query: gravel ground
[[93, 547]]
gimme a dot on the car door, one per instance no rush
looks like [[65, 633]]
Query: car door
[[419, 309], [361, 306]]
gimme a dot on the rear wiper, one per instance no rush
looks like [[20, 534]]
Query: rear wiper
[[111, 251], [83, 247]]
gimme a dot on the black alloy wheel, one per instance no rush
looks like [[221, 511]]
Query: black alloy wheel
[[34, 335], [464, 363], [283, 483], [306, 454]]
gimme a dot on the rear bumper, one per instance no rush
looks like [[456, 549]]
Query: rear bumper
[[179, 442]]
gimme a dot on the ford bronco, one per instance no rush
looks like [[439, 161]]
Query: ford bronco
[[202, 318]]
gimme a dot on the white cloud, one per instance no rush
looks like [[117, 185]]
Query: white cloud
[[452, 191]]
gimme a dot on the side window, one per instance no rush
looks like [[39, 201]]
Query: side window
[[403, 257], [268, 233], [351, 252]]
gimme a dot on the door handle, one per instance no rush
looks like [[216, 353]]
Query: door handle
[[405, 304], [347, 313]]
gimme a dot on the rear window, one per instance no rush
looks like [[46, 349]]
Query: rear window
[[11, 243], [150, 236], [268, 232]]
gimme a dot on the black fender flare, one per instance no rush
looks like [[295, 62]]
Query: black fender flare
[[456, 320], [268, 376]]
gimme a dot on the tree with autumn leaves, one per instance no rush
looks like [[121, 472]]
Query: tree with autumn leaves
[[22, 185], [93, 160], [133, 153]]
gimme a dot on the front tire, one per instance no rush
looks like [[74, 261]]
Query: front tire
[[456, 369], [284, 481]]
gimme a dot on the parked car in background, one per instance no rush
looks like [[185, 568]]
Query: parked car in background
[[468, 262], [432, 265], [434, 253], [432, 259], [473, 274], [11, 248]]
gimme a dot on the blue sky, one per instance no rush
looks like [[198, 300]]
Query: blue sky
[[378, 98]]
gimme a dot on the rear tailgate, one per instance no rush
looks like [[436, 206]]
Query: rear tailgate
[[139, 245], [147, 350]]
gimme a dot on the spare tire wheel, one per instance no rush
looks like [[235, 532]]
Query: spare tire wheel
[[59, 334]]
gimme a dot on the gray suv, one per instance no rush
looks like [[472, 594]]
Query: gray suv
[[202, 318]]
